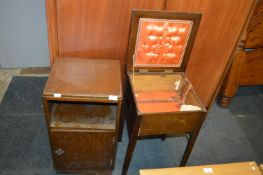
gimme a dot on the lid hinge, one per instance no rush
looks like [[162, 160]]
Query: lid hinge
[[143, 70], [168, 70]]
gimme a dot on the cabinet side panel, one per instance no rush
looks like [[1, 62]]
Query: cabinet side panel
[[51, 14]]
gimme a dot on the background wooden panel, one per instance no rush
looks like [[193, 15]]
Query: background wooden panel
[[97, 29], [219, 32]]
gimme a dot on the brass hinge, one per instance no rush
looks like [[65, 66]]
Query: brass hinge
[[168, 70], [143, 70]]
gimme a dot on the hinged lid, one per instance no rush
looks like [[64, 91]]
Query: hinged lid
[[161, 41]]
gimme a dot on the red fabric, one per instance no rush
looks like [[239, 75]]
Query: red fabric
[[158, 101], [156, 95], [153, 107], [161, 42]]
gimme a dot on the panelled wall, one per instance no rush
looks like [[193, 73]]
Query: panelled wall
[[100, 29]]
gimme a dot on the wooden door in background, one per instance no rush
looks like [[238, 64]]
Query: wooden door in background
[[93, 28], [219, 32]]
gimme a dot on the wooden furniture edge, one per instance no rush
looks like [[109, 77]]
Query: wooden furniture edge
[[234, 74], [51, 15], [228, 65], [193, 169]]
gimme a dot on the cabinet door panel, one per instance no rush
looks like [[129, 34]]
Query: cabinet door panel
[[80, 151], [219, 32]]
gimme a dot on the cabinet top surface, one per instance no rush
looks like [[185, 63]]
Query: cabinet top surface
[[82, 77]]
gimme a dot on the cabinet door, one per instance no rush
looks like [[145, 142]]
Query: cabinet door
[[80, 151]]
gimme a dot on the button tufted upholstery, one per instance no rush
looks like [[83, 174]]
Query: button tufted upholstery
[[161, 42]]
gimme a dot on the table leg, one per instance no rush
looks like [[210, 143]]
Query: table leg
[[122, 121], [224, 101], [189, 147], [131, 146], [123, 112], [163, 137], [231, 82]]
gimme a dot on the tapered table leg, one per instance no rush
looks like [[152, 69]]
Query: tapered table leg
[[131, 146], [123, 113], [189, 148], [122, 121]]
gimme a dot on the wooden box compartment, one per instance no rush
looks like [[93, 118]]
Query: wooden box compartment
[[159, 48], [83, 115], [83, 135], [166, 103], [160, 100]]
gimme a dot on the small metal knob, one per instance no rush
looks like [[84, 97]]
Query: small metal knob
[[59, 152]]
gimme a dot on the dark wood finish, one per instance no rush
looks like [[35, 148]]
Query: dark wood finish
[[79, 77], [224, 101], [80, 151], [143, 89], [74, 115], [158, 124], [83, 122], [219, 31], [136, 15], [133, 123], [247, 66], [131, 146], [141, 125], [255, 28]]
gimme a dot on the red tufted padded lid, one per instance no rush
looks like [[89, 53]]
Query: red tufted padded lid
[[161, 43]]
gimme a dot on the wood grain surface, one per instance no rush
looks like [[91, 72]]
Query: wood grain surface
[[82, 151], [247, 66], [100, 29], [244, 168], [79, 77], [255, 28], [97, 29], [252, 68], [219, 31]]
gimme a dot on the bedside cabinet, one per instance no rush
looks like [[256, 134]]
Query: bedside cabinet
[[82, 101]]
